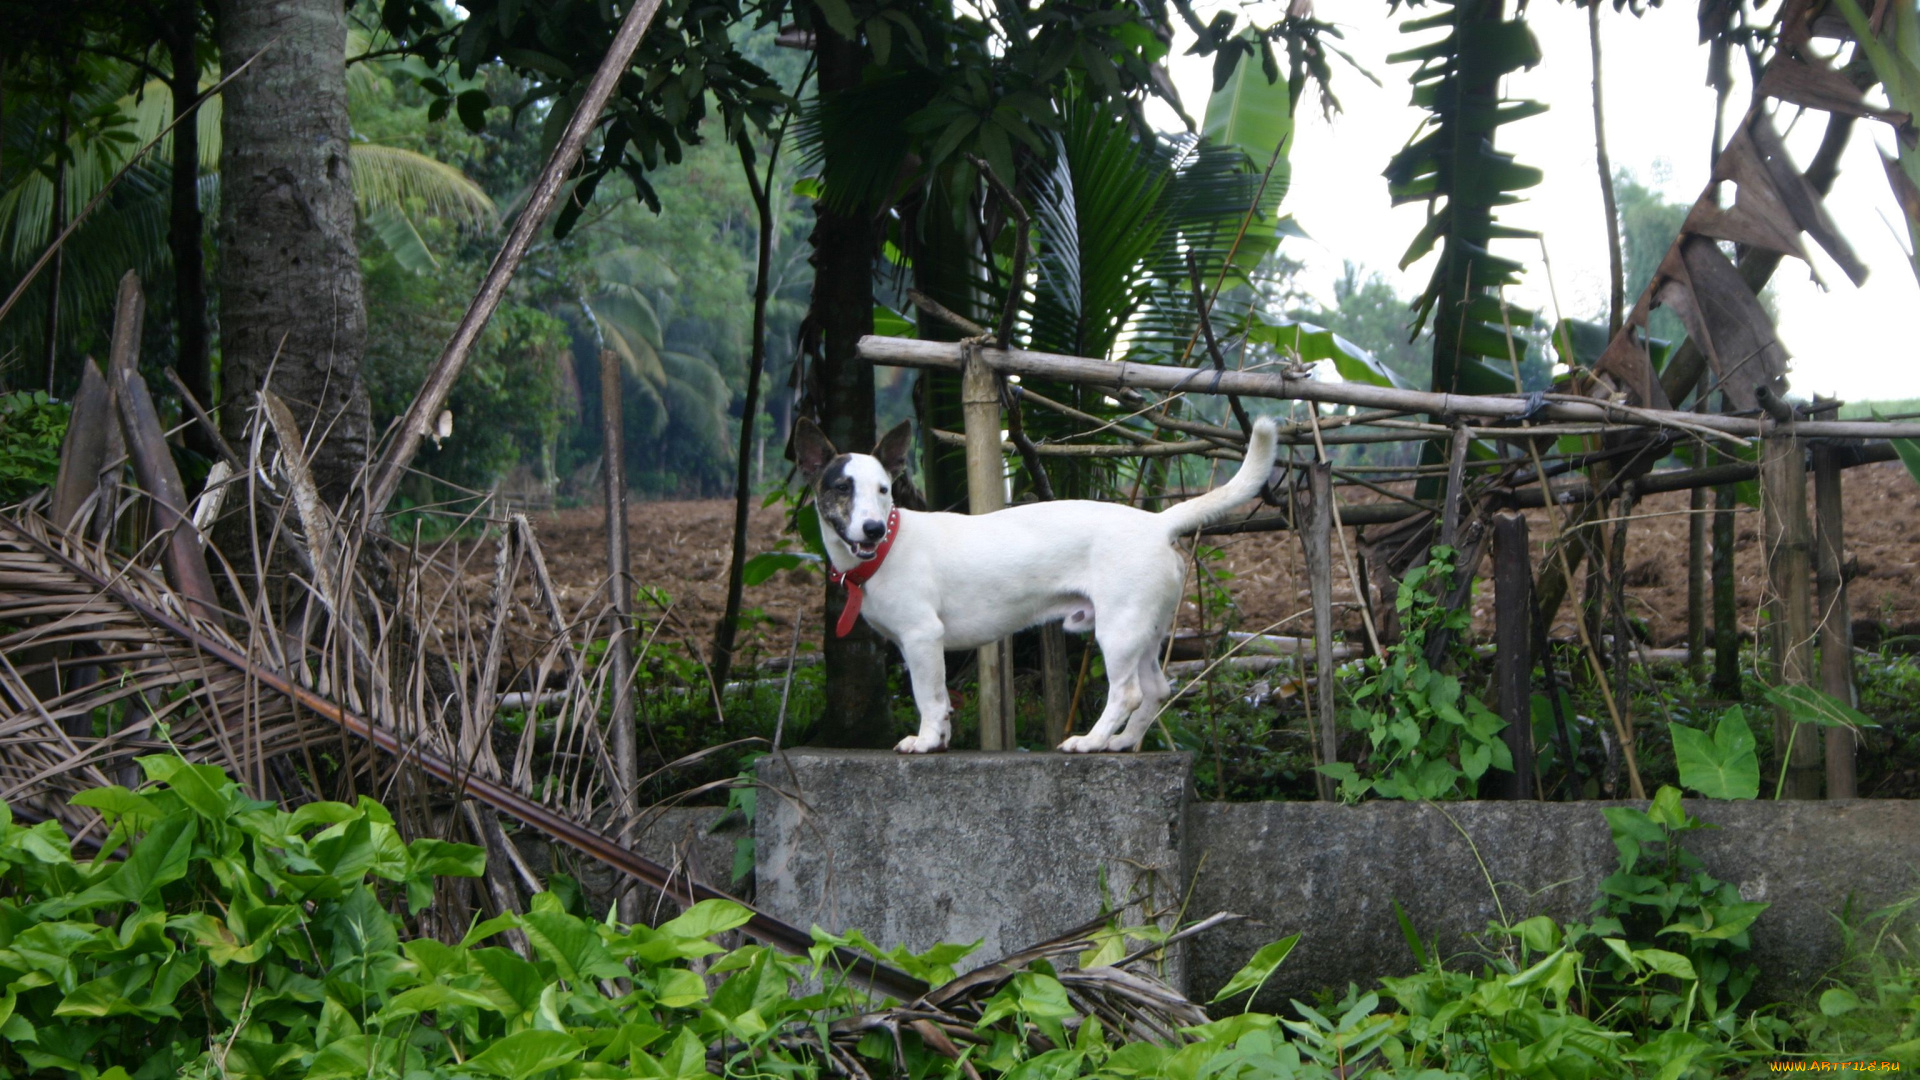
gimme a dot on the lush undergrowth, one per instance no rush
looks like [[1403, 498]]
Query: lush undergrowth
[[213, 935], [1251, 732]]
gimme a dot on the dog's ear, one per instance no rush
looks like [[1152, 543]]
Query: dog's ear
[[811, 449], [894, 447]]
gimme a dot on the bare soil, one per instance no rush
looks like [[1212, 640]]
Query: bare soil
[[680, 548]]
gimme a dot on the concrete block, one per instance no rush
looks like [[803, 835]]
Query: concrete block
[[1005, 848], [1332, 873]]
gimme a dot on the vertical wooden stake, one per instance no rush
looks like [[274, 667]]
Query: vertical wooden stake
[[1456, 488], [1616, 582], [620, 584], [1697, 584], [1836, 622], [987, 492], [1788, 548], [1726, 613], [1319, 547], [1054, 683], [1513, 640]]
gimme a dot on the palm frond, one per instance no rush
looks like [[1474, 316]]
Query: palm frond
[[1099, 212], [413, 183]]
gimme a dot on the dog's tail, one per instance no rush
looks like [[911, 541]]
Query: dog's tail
[[1185, 517]]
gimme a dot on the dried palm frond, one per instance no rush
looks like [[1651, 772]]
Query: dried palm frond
[[204, 694], [1130, 1005], [86, 663]]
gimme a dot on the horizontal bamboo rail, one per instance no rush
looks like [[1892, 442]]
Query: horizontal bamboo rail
[[944, 355], [1530, 498]]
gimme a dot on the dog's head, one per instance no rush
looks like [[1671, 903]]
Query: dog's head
[[854, 492]]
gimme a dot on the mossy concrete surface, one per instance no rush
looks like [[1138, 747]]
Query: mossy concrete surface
[[1014, 848]]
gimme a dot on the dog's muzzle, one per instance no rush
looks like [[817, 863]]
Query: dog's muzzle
[[866, 549]]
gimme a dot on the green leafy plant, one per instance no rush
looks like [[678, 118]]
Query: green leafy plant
[[1661, 895], [32, 426], [1427, 737], [1723, 766], [1806, 705]]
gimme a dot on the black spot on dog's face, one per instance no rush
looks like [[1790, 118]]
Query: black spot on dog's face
[[854, 499], [834, 494]]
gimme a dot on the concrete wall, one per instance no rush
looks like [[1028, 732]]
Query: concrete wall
[[1332, 874], [1012, 849], [1008, 849]]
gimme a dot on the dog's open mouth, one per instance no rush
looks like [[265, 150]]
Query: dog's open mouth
[[864, 552]]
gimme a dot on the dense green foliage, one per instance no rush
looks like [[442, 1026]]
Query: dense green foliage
[[232, 938], [1427, 738], [31, 427]]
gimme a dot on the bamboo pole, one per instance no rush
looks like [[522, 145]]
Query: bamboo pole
[[945, 355], [987, 492], [1319, 552], [1783, 501], [1836, 626], [1513, 640], [620, 585]]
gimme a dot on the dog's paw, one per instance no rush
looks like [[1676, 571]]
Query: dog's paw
[[1082, 744], [917, 744]]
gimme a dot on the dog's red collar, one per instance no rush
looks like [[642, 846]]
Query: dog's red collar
[[853, 579]]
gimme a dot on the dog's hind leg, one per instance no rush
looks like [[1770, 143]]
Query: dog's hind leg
[[1124, 653], [927, 665], [1154, 690]]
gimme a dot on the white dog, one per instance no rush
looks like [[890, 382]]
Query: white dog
[[932, 582]]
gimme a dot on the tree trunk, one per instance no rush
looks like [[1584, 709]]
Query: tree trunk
[[844, 244], [185, 224], [290, 299]]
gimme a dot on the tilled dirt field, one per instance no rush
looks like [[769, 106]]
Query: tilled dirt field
[[680, 548]]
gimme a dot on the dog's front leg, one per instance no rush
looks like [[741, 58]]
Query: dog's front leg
[[927, 665]]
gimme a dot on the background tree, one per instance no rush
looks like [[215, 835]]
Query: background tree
[[291, 306]]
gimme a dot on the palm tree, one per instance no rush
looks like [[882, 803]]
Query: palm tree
[[395, 190]]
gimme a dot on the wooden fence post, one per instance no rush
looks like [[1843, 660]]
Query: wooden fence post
[[987, 492], [1783, 501], [620, 586], [1319, 545], [1726, 614], [1513, 639], [1055, 687], [1697, 584], [1836, 624]]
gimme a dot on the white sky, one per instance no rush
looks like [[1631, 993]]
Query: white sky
[[1853, 343]]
